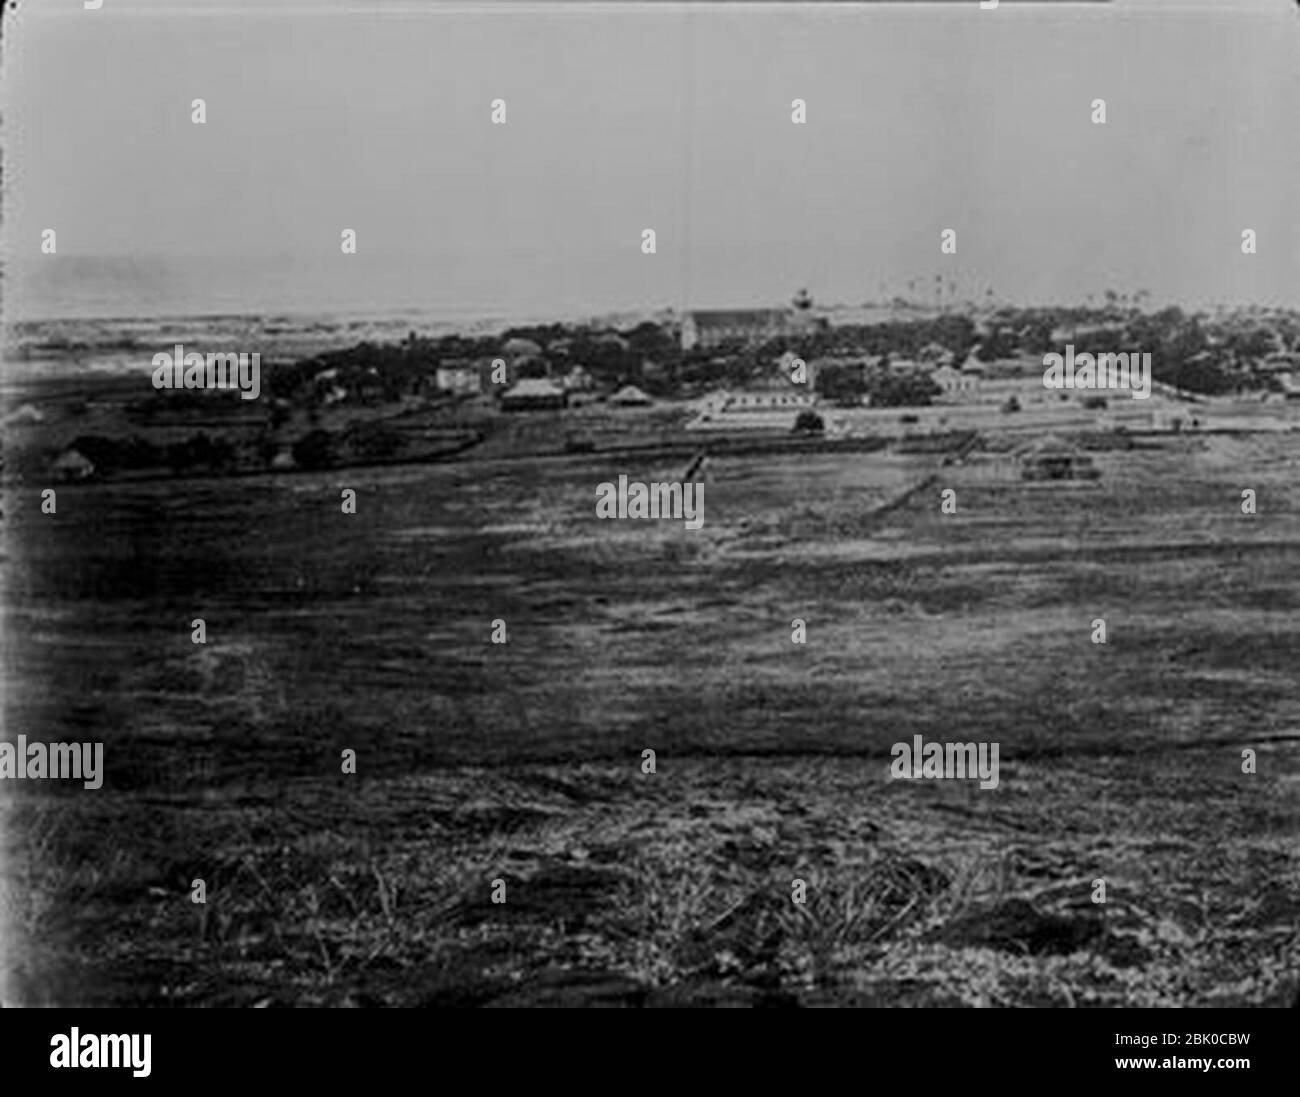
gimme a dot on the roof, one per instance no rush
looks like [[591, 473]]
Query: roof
[[1050, 445], [629, 394], [740, 317], [73, 459], [533, 387], [27, 413]]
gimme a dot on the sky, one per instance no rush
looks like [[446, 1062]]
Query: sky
[[622, 117]]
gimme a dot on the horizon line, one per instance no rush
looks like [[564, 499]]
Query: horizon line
[[570, 317]]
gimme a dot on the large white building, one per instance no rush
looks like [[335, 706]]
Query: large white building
[[770, 409], [713, 327]]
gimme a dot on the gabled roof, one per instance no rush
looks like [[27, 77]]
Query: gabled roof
[[1050, 445], [533, 387], [629, 394], [73, 459], [740, 317]]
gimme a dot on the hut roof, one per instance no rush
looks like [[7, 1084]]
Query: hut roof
[[1049, 445], [629, 394], [532, 388], [73, 462]]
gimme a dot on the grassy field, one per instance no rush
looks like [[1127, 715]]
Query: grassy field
[[521, 762]]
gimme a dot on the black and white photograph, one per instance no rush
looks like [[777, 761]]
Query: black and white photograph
[[651, 505]]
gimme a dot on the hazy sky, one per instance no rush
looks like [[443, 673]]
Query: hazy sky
[[623, 117]]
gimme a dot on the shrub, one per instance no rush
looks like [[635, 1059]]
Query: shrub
[[808, 422], [314, 450]]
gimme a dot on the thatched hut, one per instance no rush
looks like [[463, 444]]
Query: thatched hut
[[1052, 458], [72, 464]]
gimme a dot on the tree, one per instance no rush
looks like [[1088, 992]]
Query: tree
[[895, 390], [953, 331], [844, 385], [314, 450], [373, 441], [200, 451], [808, 422], [1000, 344], [650, 341]]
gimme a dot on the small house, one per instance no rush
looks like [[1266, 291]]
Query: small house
[[1051, 458]]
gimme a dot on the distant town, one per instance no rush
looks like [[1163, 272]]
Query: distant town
[[882, 372]]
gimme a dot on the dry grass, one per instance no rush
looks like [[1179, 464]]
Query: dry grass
[[521, 763]]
